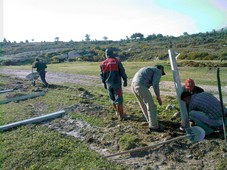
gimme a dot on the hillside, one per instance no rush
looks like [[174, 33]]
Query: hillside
[[201, 46]]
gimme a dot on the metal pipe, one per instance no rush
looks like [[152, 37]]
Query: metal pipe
[[177, 83], [22, 97], [5, 91], [32, 120], [221, 103]]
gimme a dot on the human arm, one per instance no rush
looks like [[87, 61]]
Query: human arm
[[155, 84], [123, 74], [102, 78], [159, 100], [34, 65]]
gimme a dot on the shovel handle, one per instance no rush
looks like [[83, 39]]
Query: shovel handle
[[148, 147]]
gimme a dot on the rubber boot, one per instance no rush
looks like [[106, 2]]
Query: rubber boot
[[122, 115], [116, 110]]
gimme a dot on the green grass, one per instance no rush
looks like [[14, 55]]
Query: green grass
[[37, 147], [201, 75]]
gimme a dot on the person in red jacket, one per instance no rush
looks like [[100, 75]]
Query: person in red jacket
[[112, 73]]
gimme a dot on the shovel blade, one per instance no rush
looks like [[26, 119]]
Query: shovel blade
[[195, 134]]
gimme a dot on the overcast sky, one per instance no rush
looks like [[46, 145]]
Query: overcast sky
[[43, 20]]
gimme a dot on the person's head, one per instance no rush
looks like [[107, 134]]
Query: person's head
[[109, 53], [161, 67], [37, 59], [189, 84], [186, 96]]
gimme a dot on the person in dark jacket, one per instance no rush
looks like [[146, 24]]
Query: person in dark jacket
[[204, 110], [41, 69], [112, 73], [141, 82]]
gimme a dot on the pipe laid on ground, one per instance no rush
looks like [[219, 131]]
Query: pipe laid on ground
[[32, 120], [5, 91], [23, 97]]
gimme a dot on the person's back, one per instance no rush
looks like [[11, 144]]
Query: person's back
[[206, 103], [39, 65], [112, 72], [147, 76]]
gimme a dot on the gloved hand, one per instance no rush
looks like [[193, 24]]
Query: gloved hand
[[125, 83]]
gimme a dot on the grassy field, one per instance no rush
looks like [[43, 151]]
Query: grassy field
[[39, 147], [201, 75]]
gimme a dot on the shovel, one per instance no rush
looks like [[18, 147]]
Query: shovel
[[33, 80], [33, 77], [194, 134]]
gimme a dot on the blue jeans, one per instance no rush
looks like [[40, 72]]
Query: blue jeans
[[42, 75]]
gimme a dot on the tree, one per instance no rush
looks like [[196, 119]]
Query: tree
[[137, 36], [56, 39], [105, 38], [185, 34], [87, 37], [151, 37], [4, 41]]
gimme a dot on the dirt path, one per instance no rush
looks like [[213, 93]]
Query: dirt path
[[167, 87]]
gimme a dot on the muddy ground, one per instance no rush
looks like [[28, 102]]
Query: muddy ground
[[211, 153]]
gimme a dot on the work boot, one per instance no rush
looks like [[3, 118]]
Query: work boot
[[159, 129], [122, 115]]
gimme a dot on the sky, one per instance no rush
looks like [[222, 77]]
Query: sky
[[44, 20]]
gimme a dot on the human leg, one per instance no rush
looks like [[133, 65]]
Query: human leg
[[118, 95], [43, 77], [147, 105], [116, 98], [202, 120], [135, 90]]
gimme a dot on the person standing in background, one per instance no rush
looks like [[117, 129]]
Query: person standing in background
[[41, 69], [112, 73]]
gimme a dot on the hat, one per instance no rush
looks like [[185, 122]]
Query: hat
[[161, 67], [109, 52], [189, 84], [185, 94]]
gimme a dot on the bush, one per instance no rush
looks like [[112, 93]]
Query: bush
[[55, 59]]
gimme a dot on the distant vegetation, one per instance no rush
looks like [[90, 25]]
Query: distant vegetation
[[201, 46]]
